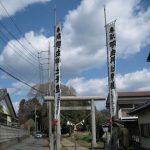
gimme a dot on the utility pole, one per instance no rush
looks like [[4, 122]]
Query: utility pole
[[35, 117], [51, 141], [111, 62]]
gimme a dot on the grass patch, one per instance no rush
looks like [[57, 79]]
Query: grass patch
[[85, 138]]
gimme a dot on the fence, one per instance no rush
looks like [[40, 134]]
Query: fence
[[8, 133]]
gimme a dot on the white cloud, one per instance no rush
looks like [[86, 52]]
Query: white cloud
[[135, 81], [83, 45], [14, 6], [84, 33], [89, 87], [16, 106], [20, 89], [23, 62], [83, 40]]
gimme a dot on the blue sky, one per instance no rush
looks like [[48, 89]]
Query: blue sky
[[83, 46]]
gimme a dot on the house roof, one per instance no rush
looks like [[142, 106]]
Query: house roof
[[140, 108], [136, 96], [4, 95]]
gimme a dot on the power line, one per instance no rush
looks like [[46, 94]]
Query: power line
[[13, 70], [19, 30], [21, 85], [13, 36], [19, 80], [12, 46]]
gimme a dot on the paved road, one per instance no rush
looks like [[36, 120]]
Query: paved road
[[69, 145], [42, 144], [31, 144]]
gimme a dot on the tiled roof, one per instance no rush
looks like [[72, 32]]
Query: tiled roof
[[134, 94]]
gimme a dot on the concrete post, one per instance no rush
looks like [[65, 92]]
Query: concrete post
[[51, 141], [93, 122], [58, 136], [35, 117]]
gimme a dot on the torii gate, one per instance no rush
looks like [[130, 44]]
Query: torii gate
[[92, 99]]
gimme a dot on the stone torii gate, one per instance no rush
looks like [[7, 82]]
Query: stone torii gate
[[92, 99]]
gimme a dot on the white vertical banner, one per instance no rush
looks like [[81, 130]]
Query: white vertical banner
[[111, 45], [57, 61]]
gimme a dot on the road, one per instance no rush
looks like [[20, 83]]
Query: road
[[42, 144], [31, 144], [69, 145]]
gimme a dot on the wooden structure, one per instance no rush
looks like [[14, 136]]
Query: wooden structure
[[143, 113], [92, 100]]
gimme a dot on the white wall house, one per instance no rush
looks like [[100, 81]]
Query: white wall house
[[128, 101], [8, 115], [143, 113]]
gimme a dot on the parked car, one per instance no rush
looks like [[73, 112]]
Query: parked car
[[38, 135]]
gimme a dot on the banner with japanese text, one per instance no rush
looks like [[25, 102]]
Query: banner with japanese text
[[57, 61], [111, 45]]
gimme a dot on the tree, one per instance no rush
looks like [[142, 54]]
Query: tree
[[101, 118], [42, 90], [30, 125], [21, 112], [27, 108]]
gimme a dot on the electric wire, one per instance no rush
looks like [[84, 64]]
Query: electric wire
[[16, 78], [21, 55], [15, 72], [17, 27], [13, 36], [19, 52], [21, 85], [12, 69]]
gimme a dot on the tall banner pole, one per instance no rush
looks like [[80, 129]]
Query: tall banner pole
[[111, 63], [57, 83], [57, 94], [108, 62], [51, 141], [55, 132]]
